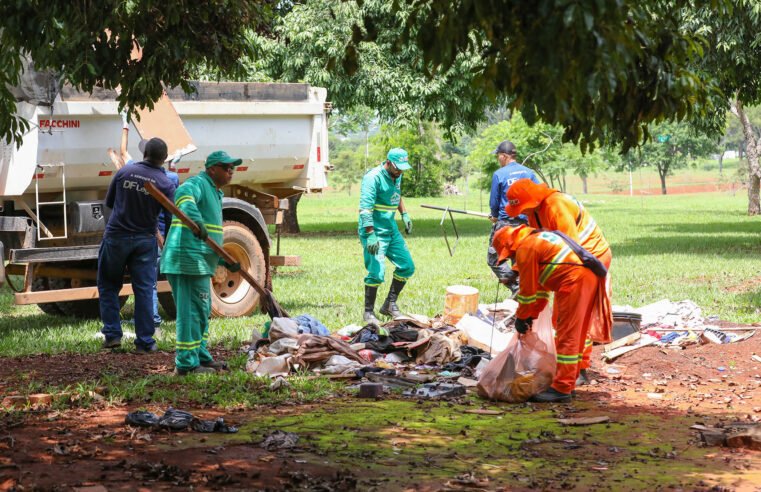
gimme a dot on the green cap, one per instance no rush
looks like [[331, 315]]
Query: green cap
[[399, 158], [221, 157]]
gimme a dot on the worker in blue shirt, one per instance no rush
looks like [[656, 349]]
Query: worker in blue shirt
[[130, 242], [165, 218], [508, 173]]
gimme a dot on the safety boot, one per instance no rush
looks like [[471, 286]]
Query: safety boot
[[389, 307], [371, 292], [551, 396]]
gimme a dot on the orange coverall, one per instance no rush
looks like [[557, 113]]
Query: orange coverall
[[560, 212], [546, 263]]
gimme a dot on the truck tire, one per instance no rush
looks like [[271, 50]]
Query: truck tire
[[231, 296], [51, 308], [167, 304], [86, 309]]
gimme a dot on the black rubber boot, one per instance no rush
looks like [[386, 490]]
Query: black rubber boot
[[551, 396], [389, 307], [369, 317]]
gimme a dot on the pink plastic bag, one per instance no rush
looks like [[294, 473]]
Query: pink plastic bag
[[526, 367]]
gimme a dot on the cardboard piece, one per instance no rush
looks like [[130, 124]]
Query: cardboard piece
[[164, 122]]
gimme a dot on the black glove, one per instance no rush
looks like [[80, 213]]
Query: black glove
[[202, 232], [522, 325], [233, 267]]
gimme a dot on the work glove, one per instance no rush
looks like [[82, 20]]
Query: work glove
[[373, 245], [125, 120], [202, 232], [233, 267], [407, 222], [522, 325], [175, 159]]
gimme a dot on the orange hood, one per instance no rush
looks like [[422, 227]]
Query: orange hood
[[507, 240]]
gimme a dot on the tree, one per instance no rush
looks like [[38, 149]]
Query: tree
[[424, 145], [570, 158], [601, 70], [731, 58], [89, 44], [309, 46], [673, 146], [537, 145]]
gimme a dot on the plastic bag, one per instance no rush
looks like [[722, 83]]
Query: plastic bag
[[526, 367]]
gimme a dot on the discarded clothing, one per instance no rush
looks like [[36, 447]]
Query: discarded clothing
[[283, 328], [470, 358], [385, 344], [308, 324], [439, 350], [177, 420], [317, 349]]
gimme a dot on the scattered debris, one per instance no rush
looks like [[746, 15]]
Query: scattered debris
[[370, 390], [280, 440], [436, 390], [177, 420], [483, 411], [734, 435], [584, 420]]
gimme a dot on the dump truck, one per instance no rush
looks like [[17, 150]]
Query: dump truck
[[53, 186]]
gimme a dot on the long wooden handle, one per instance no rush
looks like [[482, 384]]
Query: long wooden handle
[[167, 204]]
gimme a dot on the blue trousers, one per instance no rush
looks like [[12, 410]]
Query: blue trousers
[[138, 253], [156, 316]]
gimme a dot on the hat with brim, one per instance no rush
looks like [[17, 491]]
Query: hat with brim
[[399, 158], [505, 147], [220, 157], [525, 194]]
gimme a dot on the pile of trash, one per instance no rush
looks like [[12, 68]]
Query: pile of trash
[[672, 325], [422, 357]]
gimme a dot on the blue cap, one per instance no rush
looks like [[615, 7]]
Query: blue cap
[[399, 158]]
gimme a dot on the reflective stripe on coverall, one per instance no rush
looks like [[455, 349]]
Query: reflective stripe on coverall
[[189, 264], [379, 199], [546, 263]]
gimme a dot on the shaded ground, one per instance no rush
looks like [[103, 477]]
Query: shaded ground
[[63, 370], [652, 396]]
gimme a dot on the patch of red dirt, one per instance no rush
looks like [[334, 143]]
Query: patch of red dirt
[[707, 379], [87, 448]]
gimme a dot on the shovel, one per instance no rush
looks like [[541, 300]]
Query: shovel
[[269, 303]]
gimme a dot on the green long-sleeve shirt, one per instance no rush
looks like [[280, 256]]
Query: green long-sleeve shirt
[[184, 253], [379, 200]]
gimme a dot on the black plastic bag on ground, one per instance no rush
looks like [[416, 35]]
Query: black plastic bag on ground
[[175, 419], [217, 425], [142, 419]]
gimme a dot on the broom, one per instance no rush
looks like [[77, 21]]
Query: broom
[[269, 303]]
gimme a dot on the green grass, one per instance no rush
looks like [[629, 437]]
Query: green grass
[[700, 247]]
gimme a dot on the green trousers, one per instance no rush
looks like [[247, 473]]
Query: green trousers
[[192, 297], [393, 247]]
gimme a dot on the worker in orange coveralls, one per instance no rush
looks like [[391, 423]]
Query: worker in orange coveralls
[[551, 210], [545, 264]]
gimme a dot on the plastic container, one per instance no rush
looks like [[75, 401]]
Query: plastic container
[[459, 301], [625, 323]]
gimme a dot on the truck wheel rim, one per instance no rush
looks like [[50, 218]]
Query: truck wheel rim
[[230, 287]]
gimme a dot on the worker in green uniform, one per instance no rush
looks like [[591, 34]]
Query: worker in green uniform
[[189, 263], [379, 200]]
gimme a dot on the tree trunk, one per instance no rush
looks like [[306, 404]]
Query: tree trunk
[[722, 144], [662, 174], [584, 184], [290, 223], [752, 154]]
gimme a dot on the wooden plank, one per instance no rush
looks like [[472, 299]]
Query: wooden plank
[[77, 294], [164, 122], [628, 339], [285, 260]]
